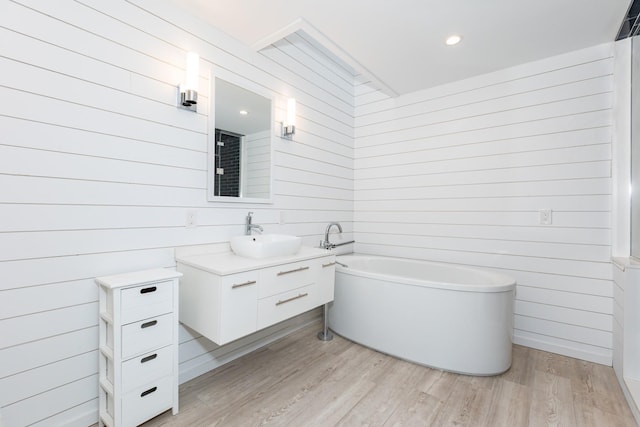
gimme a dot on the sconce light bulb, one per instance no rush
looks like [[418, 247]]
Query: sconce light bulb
[[289, 124], [291, 112], [193, 71]]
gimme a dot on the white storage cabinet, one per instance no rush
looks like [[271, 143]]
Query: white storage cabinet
[[138, 366]]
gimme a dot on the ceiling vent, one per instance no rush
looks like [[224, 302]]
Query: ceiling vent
[[631, 25]]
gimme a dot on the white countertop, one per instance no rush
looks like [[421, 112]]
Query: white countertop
[[229, 263], [138, 277]]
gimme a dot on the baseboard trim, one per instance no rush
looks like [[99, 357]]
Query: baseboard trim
[[89, 418], [602, 359]]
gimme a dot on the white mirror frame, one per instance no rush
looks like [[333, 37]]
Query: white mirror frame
[[211, 131]]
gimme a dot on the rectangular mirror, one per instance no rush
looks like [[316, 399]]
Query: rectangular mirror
[[239, 164]]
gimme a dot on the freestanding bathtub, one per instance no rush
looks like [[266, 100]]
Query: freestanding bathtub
[[444, 316]]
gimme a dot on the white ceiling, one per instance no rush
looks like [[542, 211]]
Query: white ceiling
[[400, 43]]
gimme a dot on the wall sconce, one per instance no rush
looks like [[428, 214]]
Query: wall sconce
[[289, 125], [188, 91]]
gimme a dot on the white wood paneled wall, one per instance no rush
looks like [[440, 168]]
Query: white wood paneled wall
[[458, 174], [98, 169]]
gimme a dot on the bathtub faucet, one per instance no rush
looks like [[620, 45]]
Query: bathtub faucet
[[326, 243]]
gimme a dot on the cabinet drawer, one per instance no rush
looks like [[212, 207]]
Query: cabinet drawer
[[146, 368], [147, 401], [280, 307], [286, 277], [146, 301], [239, 312], [147, 335]]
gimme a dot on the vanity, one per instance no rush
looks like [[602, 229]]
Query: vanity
[[224, 296]]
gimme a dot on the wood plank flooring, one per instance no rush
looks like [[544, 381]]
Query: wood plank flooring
[[301, 381]]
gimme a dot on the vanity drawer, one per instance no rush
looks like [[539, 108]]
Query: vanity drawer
[[280, 307], [147, 401], [238, 314], [283, 278], [146, 368], [147, 335], [145, 301]]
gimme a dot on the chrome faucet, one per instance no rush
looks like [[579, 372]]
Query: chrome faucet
[[249, 226], [326, 243], [326, 232]]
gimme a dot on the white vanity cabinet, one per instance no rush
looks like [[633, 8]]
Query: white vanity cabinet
[[225, 297], [138, 346]]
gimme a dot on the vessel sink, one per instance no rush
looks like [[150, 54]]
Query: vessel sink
[[265, 245]]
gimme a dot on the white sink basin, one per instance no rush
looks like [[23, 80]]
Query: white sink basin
[[265, 245]]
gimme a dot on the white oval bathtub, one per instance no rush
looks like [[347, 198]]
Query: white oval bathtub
[[445, 316]]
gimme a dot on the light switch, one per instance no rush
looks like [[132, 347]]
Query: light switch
[[192, 219], [545, 216]]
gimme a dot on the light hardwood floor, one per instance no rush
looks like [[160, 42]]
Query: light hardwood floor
[[301, 381]]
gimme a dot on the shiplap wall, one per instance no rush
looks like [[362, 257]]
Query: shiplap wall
[[459, 172], [98, 169]]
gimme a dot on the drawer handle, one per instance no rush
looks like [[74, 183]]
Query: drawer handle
[[239, 285], [328, 265], [148, 358], [282, 273], [291, 299], [146, 392], [147, 290], [147, 324]]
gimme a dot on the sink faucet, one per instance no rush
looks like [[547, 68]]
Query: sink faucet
[[249, 226], [326, 243]]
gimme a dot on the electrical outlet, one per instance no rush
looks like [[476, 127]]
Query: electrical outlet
[[545, 216], [192, 219]]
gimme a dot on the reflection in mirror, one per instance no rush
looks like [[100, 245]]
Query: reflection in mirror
[[241, 154]]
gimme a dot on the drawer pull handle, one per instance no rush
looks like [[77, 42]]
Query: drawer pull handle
[[328, 265], [282, 273], [146, 392], [147, 290], [239, 285], [291, 299], [148, 358], [147, 324]]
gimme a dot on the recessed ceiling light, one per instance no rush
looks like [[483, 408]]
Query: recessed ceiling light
[[244, 112], [454, 39]]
